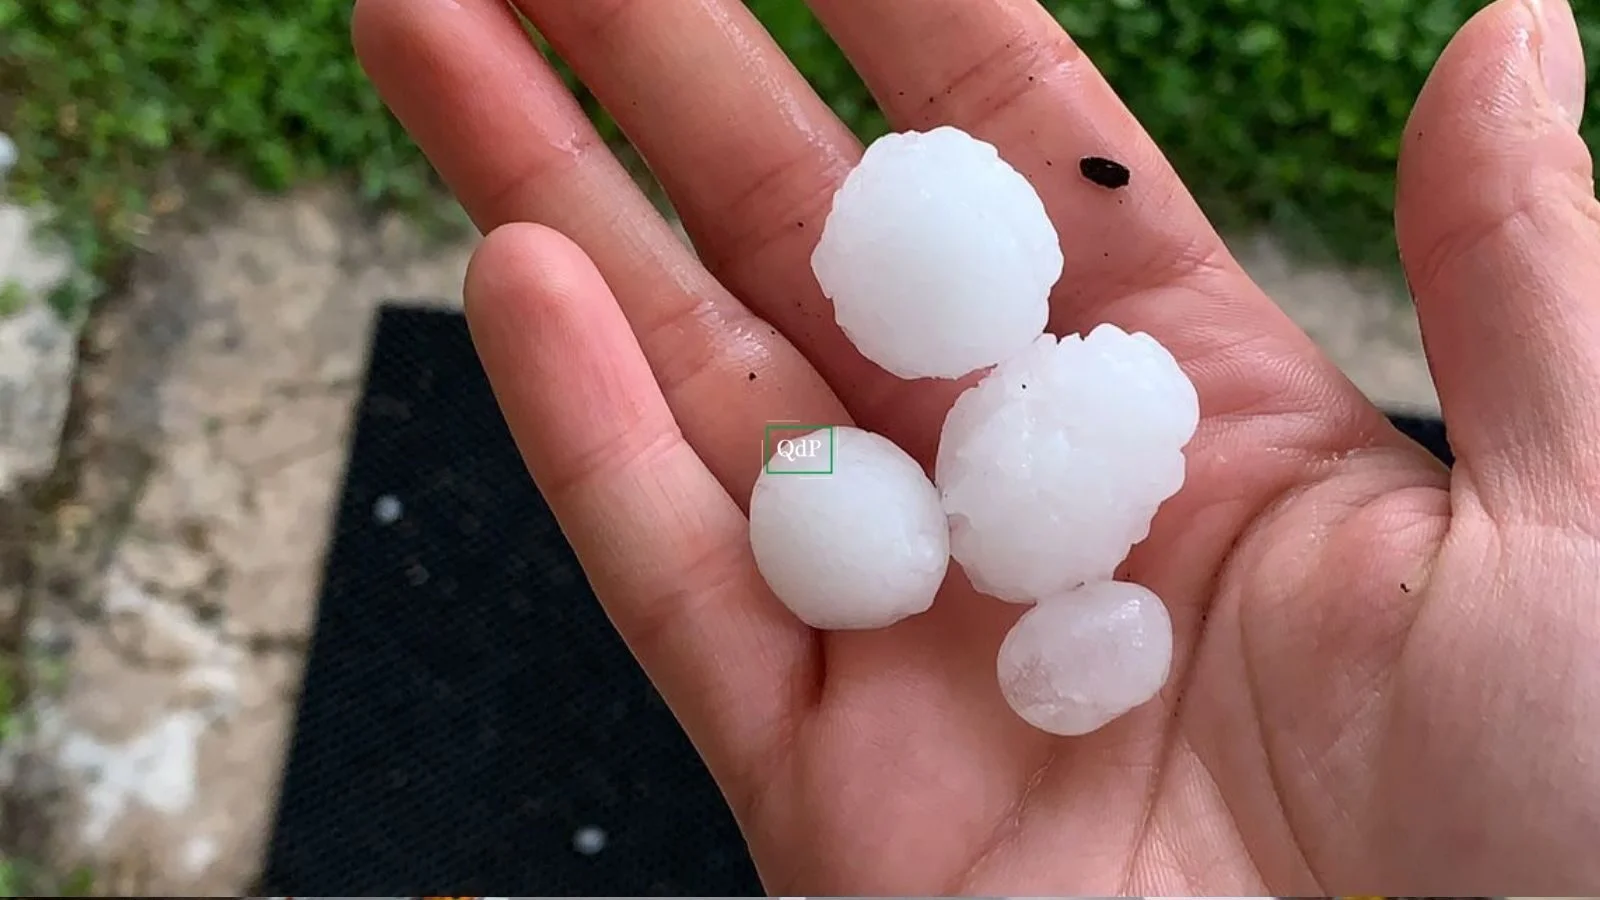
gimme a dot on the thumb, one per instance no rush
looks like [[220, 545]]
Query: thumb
[[1499, 232]]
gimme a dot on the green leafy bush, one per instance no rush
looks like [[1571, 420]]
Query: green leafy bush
[[107, 98], [1270, 108], [1282, 112]]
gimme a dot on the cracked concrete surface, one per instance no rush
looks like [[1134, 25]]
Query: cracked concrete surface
[[37, 350], [175, 593]]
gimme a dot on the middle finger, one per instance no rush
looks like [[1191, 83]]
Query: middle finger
[[750, 157]]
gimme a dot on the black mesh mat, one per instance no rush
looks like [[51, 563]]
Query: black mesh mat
[[1427, 431], [470, 724]]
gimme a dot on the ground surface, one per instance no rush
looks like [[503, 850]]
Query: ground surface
[[164, 576]]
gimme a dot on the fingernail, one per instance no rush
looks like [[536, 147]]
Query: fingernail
[[1561, 56]]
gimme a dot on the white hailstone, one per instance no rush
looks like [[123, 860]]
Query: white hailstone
[[862, 547], [1078, 660], [589, 840], [938, 255], [1052, 467], [388, 509]]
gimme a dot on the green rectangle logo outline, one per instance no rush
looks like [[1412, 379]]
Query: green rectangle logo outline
[[767, 446]]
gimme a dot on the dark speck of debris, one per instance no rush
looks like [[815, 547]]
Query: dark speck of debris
[[1405, 588], [1024, 387], [799, 224], [1105, 172], [752, 376]]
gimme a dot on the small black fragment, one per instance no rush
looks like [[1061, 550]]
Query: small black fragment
[[752, 376], [1405, 588], [1107, 173]]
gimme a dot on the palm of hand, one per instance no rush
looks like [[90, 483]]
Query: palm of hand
[[1379, 680]]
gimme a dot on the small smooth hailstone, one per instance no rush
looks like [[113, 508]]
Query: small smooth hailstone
[[938, 256], [589, 840], [863, 547], [1076, 661], [1052, 467]]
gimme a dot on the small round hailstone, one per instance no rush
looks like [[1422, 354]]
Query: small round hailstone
[[1076, 661], [938, 255], [862, 547], [589, 840], [1052, 467]]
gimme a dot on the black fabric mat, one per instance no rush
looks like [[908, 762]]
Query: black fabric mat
[[1427, 431], [470, 724]]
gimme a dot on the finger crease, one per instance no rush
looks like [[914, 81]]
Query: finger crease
[[697, 585], [541, 165], [622, 452]]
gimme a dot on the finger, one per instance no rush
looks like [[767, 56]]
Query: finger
[[1500, 234], [512, 143], [665, 548], [750, 157]]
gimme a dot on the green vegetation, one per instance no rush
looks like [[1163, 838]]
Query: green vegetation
[[1275, 110], [12, 874], [11, 302], [19, 877]]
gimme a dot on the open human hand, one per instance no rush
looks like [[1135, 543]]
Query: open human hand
[[1384, 675]]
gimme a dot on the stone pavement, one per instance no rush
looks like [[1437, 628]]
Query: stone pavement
[[174, 590], [174, 553]]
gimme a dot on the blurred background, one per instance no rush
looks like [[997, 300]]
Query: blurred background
[[206, 204]]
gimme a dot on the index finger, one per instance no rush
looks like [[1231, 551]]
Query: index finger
[[664, 547]]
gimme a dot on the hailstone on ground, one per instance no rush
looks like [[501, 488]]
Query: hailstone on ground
[[1078, 660], [1052, 467], [938, 256], [862, 547]]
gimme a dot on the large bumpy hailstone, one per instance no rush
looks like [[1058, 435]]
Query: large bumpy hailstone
[[862, 547], [938, 256], [1076, 661], [1052, 467]]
